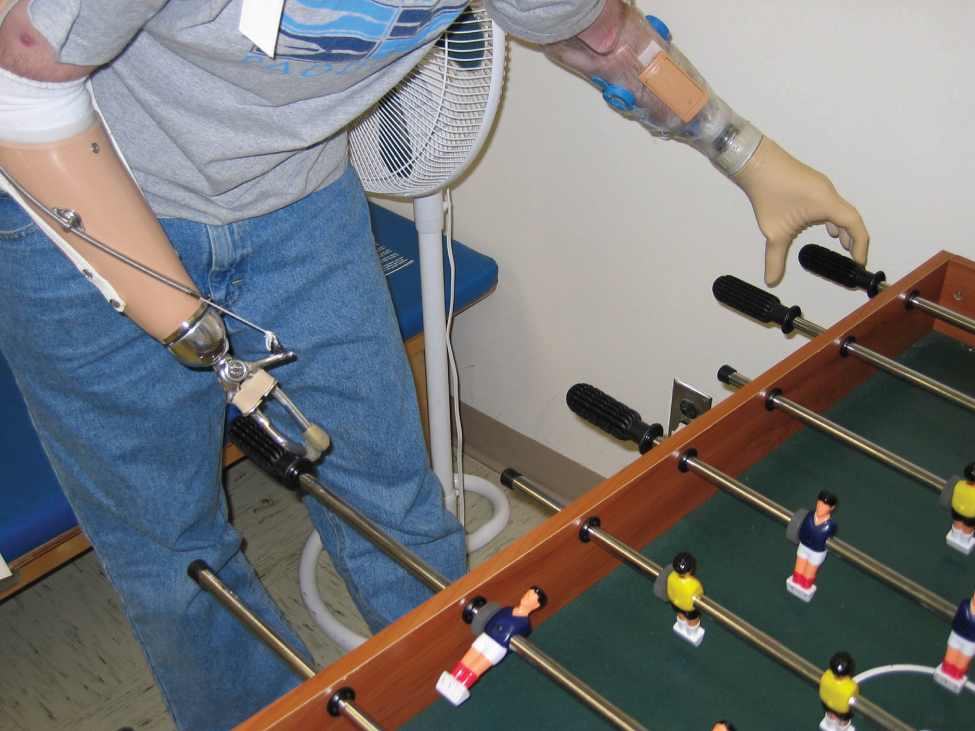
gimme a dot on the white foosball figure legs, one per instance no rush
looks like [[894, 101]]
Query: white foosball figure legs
[[960, 541], [694, 635]]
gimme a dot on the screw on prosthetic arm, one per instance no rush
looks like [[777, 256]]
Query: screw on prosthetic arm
[[249, 385], [840, 269], [754, 302], [611, 416]]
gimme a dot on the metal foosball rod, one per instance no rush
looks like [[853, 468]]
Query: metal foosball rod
[[775, 401], [601, 409], [341, 702], [294, 472], [844, 271], [592, 532], [764, 307]]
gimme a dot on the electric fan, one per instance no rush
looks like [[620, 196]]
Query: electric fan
[[413, 143]]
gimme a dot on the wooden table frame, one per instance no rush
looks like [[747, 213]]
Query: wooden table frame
[[394, 673]]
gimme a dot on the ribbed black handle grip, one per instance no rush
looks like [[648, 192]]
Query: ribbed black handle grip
[[754, 302], [840, 269], [611, 416], [284, 466]]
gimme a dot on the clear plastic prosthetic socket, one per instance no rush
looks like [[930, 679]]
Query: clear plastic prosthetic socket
[[629, 56], [202, 341]]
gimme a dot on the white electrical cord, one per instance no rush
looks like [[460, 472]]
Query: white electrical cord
[[499, 503], [454, 383]]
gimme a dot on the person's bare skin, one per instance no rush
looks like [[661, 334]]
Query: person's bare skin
[[27, 53]]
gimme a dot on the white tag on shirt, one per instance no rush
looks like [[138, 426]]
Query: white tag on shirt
[[260, 21]]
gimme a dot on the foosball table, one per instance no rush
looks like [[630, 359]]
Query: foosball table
[[603, 620]]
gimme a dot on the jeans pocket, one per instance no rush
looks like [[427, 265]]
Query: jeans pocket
[[15, 224]]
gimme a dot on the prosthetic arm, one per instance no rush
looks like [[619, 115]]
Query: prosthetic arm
[[58, 161], [642, 74]]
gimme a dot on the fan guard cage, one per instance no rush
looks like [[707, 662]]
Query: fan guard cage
[[422, 134]]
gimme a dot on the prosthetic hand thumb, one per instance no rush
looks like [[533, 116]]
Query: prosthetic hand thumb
[[787, 197]]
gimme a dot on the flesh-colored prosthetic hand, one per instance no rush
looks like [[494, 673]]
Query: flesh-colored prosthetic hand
[[787, 197], [644, 75]]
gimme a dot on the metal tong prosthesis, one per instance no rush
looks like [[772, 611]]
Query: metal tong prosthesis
[[204, 343], [249, 385]]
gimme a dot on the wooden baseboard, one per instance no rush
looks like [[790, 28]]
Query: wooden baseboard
[[33, 565], [499, 447]]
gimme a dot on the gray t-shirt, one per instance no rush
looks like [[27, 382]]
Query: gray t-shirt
[[214, 129]]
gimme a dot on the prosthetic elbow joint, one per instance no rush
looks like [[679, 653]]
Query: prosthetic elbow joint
[[643, 75]]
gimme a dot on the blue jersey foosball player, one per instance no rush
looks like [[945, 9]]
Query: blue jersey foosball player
[[490, 647], [815, 528], [961, 647]]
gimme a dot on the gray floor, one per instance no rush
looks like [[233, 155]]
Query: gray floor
[[69, 661]]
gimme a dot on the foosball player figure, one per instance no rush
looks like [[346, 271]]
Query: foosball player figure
[[961, 537], [724, 726], [836, 688], [961, 647], [682, 589], [491, 646], [815, 528]]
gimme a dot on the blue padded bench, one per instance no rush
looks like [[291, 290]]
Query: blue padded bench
[[38, 530]]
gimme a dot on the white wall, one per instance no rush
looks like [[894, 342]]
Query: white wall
[[608, 240]]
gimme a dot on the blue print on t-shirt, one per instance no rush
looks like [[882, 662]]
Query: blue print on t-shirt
[[317, 31]]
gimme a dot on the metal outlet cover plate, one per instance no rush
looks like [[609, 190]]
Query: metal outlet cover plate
[[686, 404]]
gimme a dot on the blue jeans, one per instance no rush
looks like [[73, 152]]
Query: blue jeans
[[135, 437]]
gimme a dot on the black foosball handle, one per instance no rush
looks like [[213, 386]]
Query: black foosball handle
[[611, 416], [754, 302], [256, 444], [840, 269]]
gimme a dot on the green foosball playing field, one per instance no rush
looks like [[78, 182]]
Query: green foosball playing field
[[617, 636], [602, 621]]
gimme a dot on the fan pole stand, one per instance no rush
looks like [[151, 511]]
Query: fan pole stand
[[428, 213], [428, 216]]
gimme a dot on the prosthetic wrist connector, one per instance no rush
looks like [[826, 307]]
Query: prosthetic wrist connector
[[200, 341], [642, 74]]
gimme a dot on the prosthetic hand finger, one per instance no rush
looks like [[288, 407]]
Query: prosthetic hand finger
[[644, 75], [852, 231], [54, 146], [856, 243], [788, 196]]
